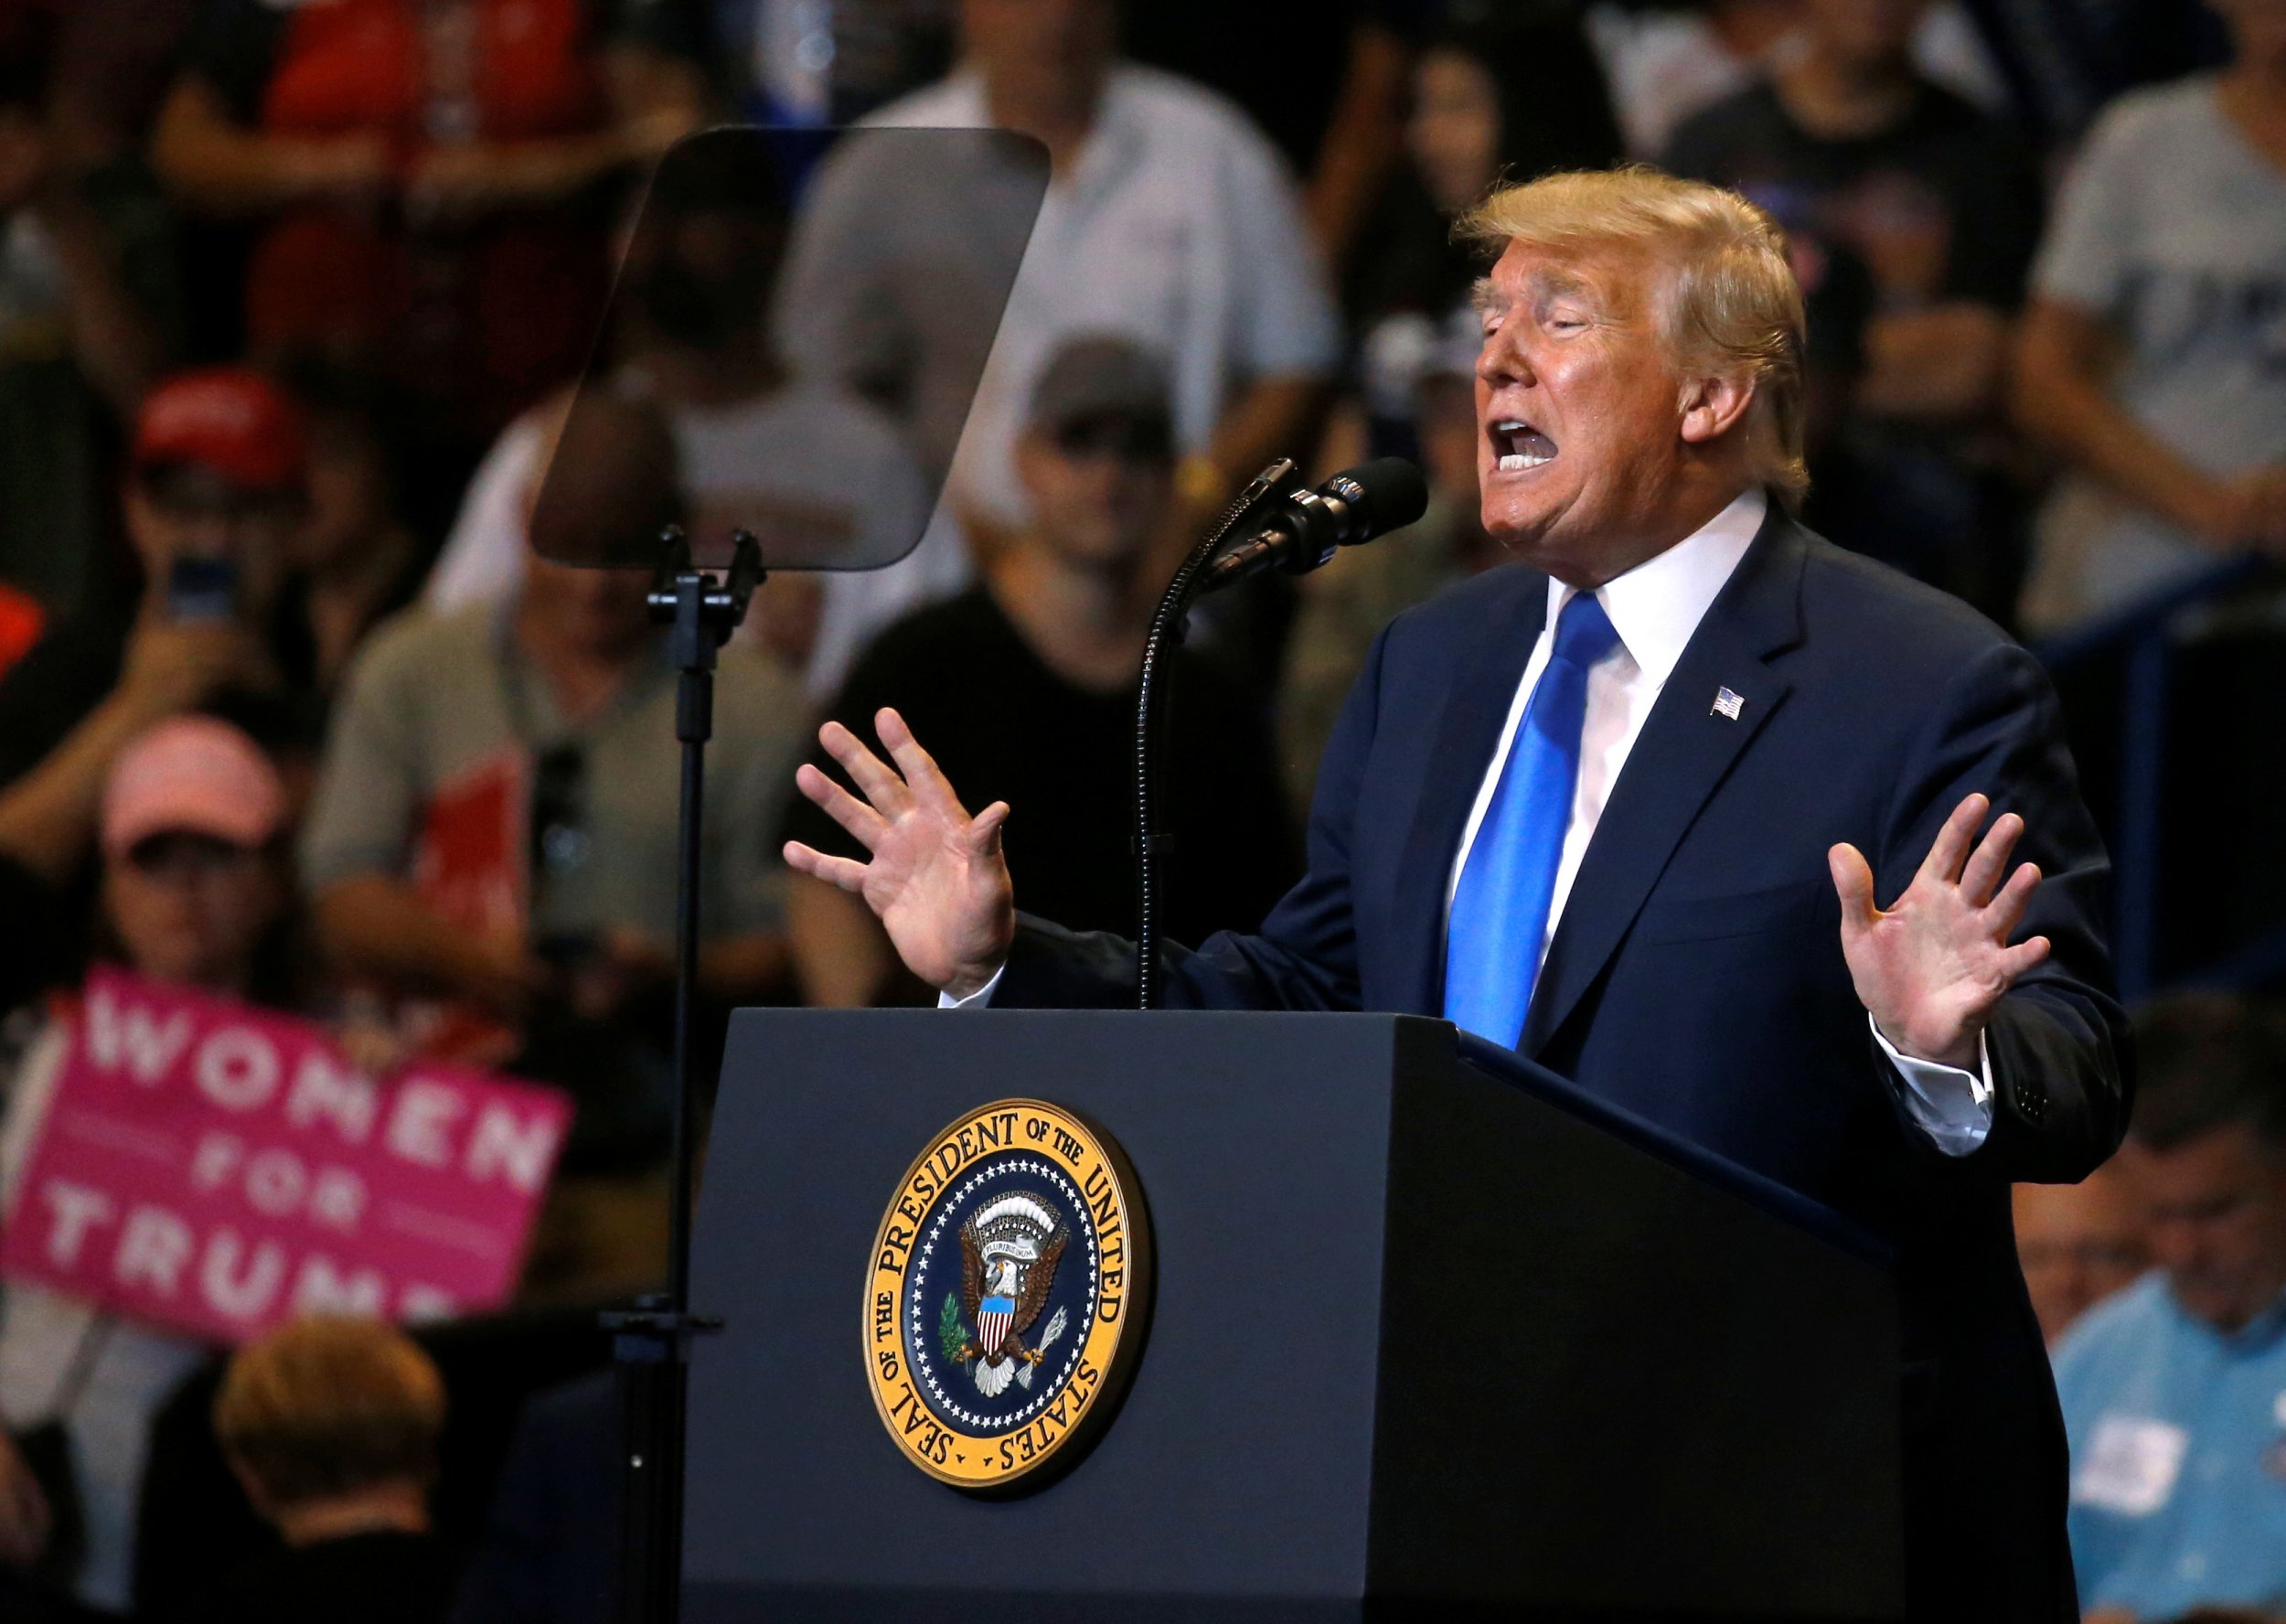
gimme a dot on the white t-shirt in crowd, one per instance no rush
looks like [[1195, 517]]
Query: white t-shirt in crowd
[[815, 471], [483, 557], [60, 1360], [2172, 229], [805, 448], [813, 449], [1177, 226]]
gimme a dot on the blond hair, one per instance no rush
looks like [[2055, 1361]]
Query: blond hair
[[1729, 303], [326, 1406]]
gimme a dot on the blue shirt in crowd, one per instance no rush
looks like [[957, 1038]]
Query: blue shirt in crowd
[[2178, 1435]]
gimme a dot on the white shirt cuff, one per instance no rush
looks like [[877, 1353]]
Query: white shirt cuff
[[1953, 1107], [974, 1000]]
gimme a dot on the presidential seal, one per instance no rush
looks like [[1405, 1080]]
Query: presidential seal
[[1004, 1303]]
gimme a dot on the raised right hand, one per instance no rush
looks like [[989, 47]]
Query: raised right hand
[[936, 878]]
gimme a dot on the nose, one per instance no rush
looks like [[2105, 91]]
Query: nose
[[1501, 361]]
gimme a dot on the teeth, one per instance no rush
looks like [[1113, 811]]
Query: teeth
[[1521, 446]]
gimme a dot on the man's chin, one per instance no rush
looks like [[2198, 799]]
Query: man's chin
[[1522, 528]]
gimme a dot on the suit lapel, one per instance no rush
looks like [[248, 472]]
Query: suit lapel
[[1468, 730], [1685, 750]]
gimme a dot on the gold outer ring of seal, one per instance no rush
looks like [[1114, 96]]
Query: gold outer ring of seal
[[1060, 1433]]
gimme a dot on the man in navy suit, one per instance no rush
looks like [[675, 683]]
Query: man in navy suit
[[1695, 938]]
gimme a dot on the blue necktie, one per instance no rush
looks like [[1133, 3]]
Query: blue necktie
[[1499, 913]]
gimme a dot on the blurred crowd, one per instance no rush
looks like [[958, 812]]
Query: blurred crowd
[[327, 680]]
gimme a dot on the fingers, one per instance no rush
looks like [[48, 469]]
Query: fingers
[[881, 786], [867, 824], [2023, 956], [1854, 882], [844, 871], [923, 777], [2007, 909], [1951, 849], [984, 830], [1990, 860]]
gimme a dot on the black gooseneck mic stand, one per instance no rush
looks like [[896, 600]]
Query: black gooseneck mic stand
[[1152, 839], [651, 1345]]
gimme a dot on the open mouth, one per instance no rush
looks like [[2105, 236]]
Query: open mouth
[[1517, 446]]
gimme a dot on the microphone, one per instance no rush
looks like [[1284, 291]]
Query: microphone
[[1356, 504]]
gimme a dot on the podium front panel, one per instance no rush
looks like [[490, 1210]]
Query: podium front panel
[[1420, 1336], [1238, 1470]]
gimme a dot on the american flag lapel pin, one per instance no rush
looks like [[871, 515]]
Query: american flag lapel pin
[[1728, 704]]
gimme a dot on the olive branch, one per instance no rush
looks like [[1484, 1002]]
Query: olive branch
[[951, 1335]]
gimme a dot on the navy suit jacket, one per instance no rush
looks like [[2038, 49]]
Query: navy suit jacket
[[1697, 977]]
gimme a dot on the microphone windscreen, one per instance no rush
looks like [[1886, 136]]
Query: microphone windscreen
[[1394, 493]]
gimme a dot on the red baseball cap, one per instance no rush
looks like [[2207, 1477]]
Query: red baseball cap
[[236, 422]]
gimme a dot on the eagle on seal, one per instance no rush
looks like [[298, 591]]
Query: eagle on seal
[[1009, 1253]]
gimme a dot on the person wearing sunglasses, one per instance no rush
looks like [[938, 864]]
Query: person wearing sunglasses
[[1048, 647]]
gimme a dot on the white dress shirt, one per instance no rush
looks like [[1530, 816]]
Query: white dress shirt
[[1655, 608]]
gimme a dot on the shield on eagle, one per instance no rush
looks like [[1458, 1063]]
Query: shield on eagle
[[993, 1318]]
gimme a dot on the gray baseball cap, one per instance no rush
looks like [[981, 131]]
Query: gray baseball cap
[[1095, 378]]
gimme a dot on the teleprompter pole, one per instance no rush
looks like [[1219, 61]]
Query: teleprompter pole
[[651, 1344]]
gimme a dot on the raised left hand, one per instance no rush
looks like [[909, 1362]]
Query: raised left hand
[[1931, 967]]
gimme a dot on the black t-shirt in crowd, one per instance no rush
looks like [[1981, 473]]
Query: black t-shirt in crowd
[[1004, 727], [362, 1578], [1945, 204]]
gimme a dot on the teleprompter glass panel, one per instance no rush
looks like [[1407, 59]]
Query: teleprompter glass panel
[[797, 330]]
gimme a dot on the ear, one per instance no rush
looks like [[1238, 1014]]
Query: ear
[[1712, 406]]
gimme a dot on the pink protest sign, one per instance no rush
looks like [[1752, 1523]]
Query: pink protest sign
[[216, 1168]]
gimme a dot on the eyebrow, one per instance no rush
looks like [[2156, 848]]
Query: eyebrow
[[1486, 298]]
